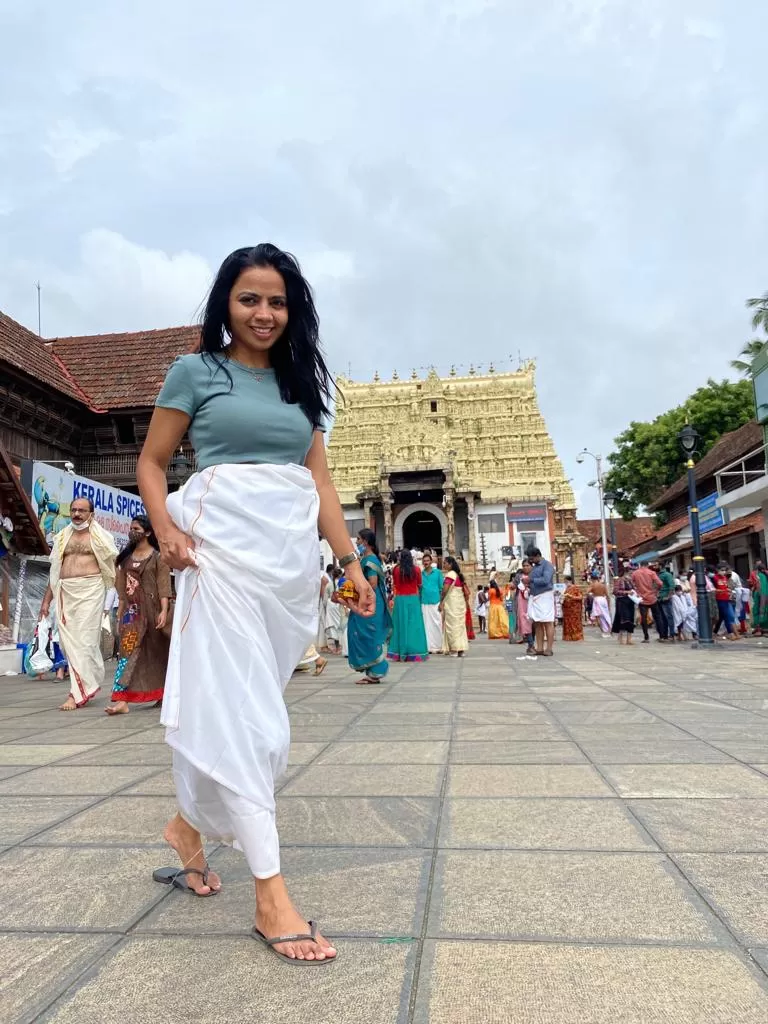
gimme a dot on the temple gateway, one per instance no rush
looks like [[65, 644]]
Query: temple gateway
[[460, 464]]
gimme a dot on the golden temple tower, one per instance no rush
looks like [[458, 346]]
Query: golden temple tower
[[456, 463]]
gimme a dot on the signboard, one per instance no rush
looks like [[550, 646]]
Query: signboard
[[52, 490], [710, 516], [525, 513]]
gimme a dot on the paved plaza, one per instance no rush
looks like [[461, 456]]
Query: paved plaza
[[578, 839]]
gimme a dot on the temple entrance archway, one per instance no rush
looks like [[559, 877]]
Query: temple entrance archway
[[421, 526]]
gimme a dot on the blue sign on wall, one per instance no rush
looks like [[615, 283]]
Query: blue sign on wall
[[710, 516]]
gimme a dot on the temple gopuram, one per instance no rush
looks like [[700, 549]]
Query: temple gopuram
[[459, 464]]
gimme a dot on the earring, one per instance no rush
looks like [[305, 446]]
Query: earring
[[226, 341]]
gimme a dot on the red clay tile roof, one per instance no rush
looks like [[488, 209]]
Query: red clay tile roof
[[629, 533], [124, 370], [729, 448], [672, 527], [753, 523], [26, 352]]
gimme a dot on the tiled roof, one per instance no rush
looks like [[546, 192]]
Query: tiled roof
[[629, 533], [729, 448], [26, 352], [124, 370], [669, 528], [753, 523]]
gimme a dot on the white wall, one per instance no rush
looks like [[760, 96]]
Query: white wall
[[495, 541]]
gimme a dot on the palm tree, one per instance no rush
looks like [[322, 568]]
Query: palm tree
[[753, 348], [760, 316], [750, 351]]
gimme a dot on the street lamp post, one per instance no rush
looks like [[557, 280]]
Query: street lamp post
[[601, 499], [688, 438], [610, 499]]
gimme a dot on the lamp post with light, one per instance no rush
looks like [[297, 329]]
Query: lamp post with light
[[601, 499], [610, 500], [180, 467], [688, 438]]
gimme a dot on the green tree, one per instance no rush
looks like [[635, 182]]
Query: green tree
[[752, 349], [648, 457]]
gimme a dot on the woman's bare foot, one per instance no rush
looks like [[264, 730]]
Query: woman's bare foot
[[69, 704], [188, 845], [119, 708], [276, 915]]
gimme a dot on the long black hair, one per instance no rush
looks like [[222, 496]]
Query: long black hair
[[296, 357], [369, 537], [453, 566], [131, 546], [495, 587], [406, 566]]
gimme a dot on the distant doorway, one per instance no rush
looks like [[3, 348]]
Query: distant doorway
[[423, 530]]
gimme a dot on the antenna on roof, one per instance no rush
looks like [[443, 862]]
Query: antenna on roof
[[39, 322]]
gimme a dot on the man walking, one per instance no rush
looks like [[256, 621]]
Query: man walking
[[541, 603], [665, 603], [648, 585], [82, 570]]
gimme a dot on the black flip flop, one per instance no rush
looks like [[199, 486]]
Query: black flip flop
[[311, 937], [175, 877]]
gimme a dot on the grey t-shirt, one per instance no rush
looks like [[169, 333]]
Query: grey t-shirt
[[246, 421]]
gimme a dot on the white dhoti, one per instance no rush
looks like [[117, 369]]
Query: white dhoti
[[433, 627], [244, 618], [601, 613], [541, 607], [79, 608]]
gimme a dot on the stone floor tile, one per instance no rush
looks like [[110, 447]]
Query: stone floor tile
[[502, 732], [653, 752], [70, 780], [750, 753], [315, 733], [139, 754], [96, 888], [357, 892], [367, 780], [524, 780], [736, 886], [579, 896], [414, 707], [405, 752], [686, 780], [24, 753], [23, 816], [128, 820], [304, 753], [356, 821], [538, 752], [503, 983], [368, 730], [703, 826], [549, 824], [35, 968], [370, 984], [159, 783]]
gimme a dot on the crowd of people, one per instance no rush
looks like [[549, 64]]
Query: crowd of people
[[652, 595]]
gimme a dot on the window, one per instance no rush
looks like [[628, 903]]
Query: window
[[355, 526], [125, 434], [492, 523], [433, 406], [527, 540]]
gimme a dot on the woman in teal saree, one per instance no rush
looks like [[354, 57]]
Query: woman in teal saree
[[368, 637]]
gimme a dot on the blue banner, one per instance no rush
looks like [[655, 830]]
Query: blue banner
[[710, 516]]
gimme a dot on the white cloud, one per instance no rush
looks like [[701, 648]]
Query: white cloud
[[67, 144]]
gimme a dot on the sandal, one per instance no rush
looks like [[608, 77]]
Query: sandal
[[175, 877], [367, 681], [320, 666], [271, 943]]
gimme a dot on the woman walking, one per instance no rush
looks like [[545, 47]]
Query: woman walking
[[243, 530], [409, 638], [573, 616], [453, 606], [724, 587], [144, 590], [368, 636], [624, 616], [524, 624], [758, 586], [498, 621], [601, 610]]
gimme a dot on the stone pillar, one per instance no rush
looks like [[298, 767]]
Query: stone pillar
[[450, 538], [389, 533], [368, 514], [472, 530]]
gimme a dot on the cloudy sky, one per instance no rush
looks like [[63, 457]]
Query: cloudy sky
[[580, 181]]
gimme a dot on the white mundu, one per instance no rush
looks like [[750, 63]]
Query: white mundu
[[244, 617]]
